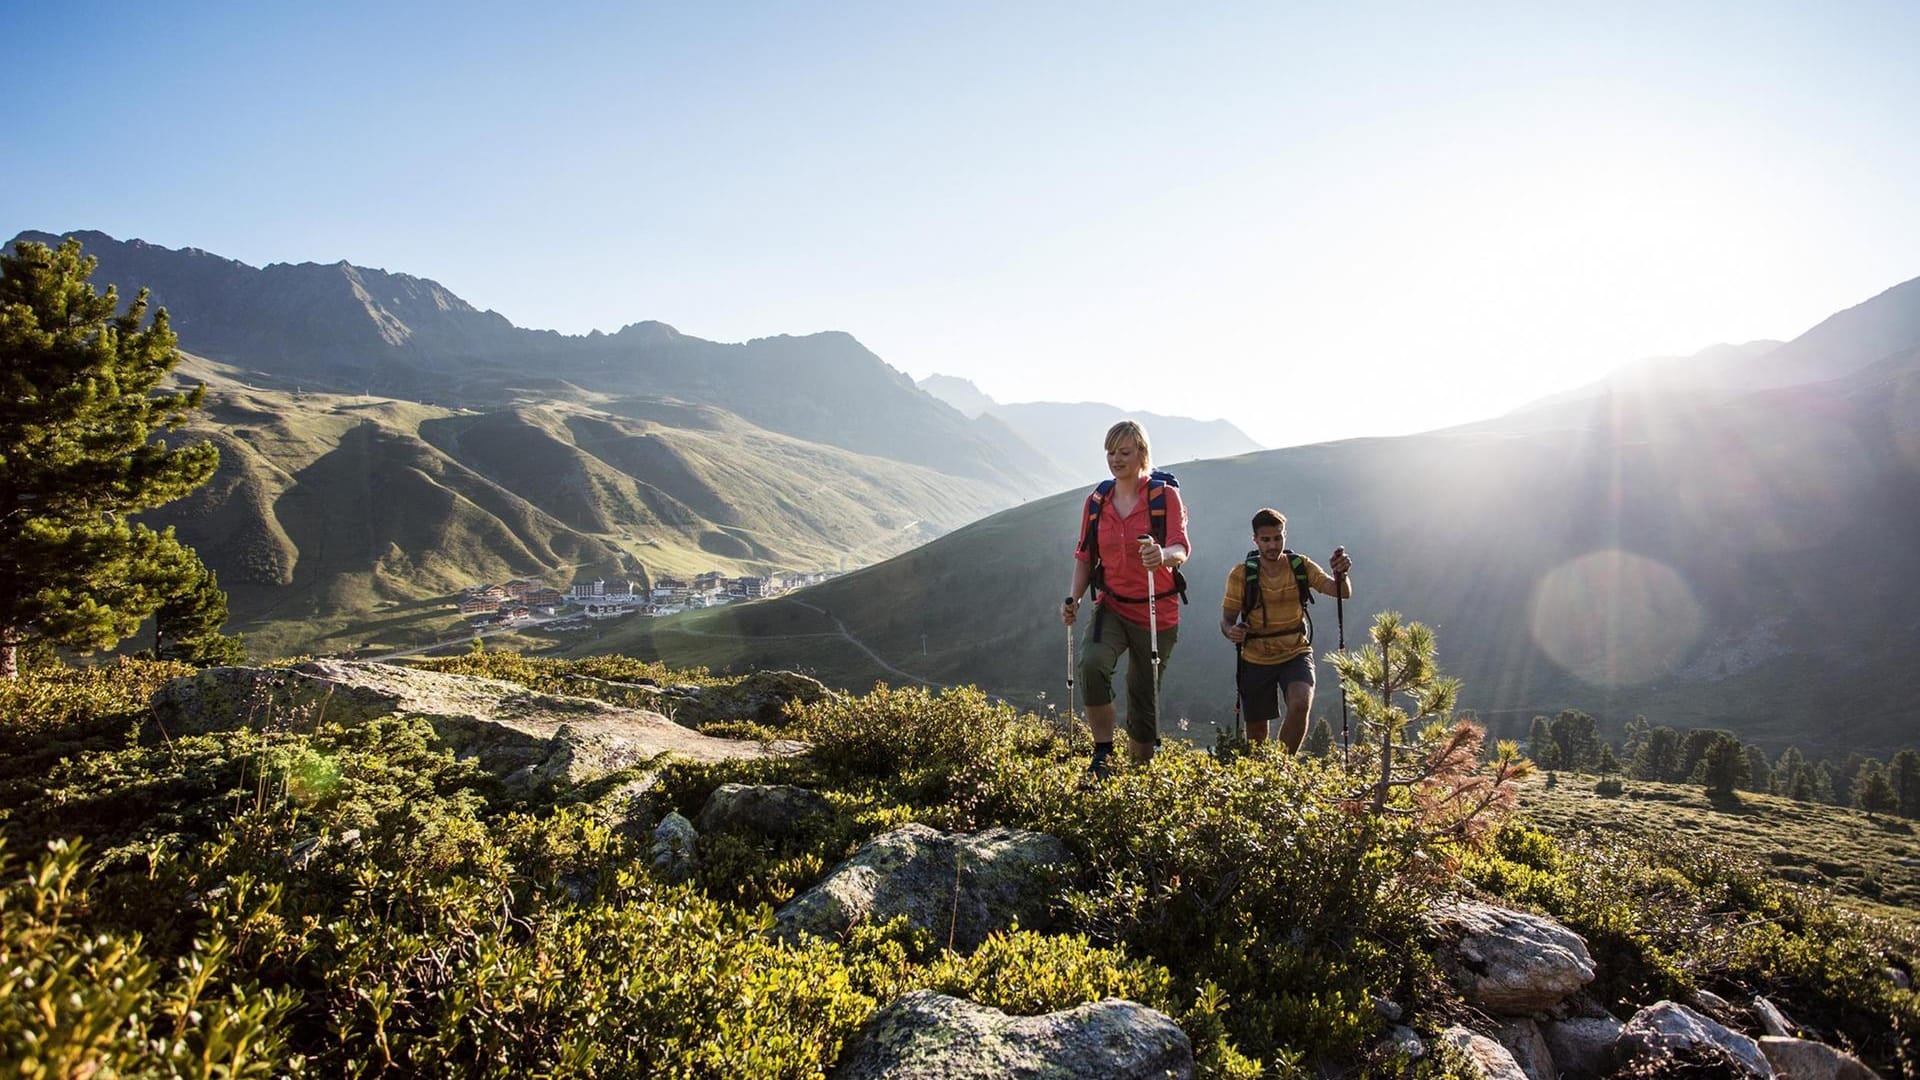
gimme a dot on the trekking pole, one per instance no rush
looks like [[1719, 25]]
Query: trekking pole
[[1153, 635], [1340, 617], [1069, 671], [1239, 658]]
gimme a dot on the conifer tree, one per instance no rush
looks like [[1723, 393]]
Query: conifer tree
[[1395, 686], [1800, 787], [1659, 756], [79, 412], [1905, 776], [1723, 763], [1608, 763], [187, 627], [1541, 745], [1823, 784], [1579, 740], [1872, 791], [1759, 770], [1787, 769], [1320, 739], [1637, 731]]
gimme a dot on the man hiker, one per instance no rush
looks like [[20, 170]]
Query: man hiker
[[1268, 627]]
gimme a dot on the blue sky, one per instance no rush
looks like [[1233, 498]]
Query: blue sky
[[1394, 215]]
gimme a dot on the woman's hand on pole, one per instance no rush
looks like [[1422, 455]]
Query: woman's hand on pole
[[1152, 555], [1069, 609]]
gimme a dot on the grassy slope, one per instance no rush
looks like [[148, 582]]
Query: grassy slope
[[335, 521], [1873, 863]]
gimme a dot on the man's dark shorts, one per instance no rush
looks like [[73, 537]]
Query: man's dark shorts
[[1263, 686]]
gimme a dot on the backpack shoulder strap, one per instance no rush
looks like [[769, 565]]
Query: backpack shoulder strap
[[1300, 579], [1090, 519], [1250, 585], [1157, 509]]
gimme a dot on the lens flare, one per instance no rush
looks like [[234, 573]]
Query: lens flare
[[1613, 618]]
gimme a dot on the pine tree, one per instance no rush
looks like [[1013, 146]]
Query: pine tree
[[1608, 763], [1823, 785], [1723, 763], [1872, 791], [1800, 788], [1573, 732], [1396, 688], [1759, 770], [1905, 776], [79, 413], [1636, 736], [1787, 769], [1659, 756], [187, 627], [1320, 739], [1541, 746]]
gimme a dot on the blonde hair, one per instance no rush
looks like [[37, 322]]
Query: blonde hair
[[1131, 429]]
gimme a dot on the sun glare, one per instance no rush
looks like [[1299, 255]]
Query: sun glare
[[1614, 618]]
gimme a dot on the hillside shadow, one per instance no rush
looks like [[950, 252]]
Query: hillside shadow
[[1729, 802]]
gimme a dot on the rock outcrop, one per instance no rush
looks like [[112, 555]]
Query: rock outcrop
[[930, 1036], [1582, 1046], [761, 697], [1508, 962], [1492, 1059], [528, 737], [1665, 1029], [960, 888], [1804, 1059], [767, 809]]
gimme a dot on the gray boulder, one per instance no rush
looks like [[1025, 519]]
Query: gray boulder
[[1523, 1039], [1772, 1020], [1664, 1029], [1402, 1039], [1582, 1046], [533, 738], [761, 697], [1489, 1057], [768, 809], [1509, 962], [674, 844], [929, 1036], [960, 888], [1804, 1059]]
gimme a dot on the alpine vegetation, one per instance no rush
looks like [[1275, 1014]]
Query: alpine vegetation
[[903, 882]]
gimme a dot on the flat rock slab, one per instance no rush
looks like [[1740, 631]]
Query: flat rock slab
[[1492, 1060], [507, 726], [1804, 1059], [960, 887], [1507, 962], [1664, 1029], [930, 1036]]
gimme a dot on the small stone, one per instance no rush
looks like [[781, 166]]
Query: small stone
[[1492, 1059], [674, 842], [1804, 1059], [1772, 1020]]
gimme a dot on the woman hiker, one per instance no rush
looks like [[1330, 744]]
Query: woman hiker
[[1133, 534]]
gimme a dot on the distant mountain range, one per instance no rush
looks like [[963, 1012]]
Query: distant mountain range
[[352, 330], [1071, 434], [1663, 543], [385, 443]]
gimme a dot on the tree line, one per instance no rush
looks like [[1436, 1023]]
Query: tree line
[[1723, 764]]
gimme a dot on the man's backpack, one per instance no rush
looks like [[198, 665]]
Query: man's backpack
[[1251, 594], [1157, 484]]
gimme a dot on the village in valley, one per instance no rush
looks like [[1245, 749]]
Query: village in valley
[[525, 602]]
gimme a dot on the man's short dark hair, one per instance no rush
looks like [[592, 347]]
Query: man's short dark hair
[[1268, 517]]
